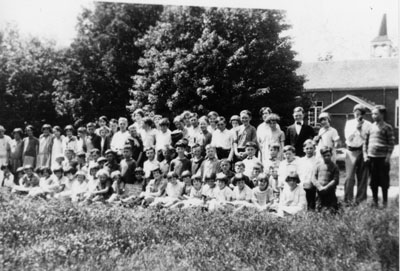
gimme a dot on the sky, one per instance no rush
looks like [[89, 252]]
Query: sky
[[343, 28]]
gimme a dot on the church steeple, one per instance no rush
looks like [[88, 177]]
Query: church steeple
[[381, 46]]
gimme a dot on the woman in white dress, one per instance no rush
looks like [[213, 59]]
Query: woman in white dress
[[57, 148]]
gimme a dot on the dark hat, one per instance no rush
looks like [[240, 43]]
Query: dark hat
[[80, 153], [110, 151]]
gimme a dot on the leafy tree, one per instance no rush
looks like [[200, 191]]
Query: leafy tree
[[27, 70], [217, 59], [99, 65]]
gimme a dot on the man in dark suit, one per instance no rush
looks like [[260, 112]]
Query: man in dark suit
[[298, 132], [93, 141]]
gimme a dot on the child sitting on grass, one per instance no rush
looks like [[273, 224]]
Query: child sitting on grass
[[293, 198], [154, 189], [6, 177], [262, 194], [223, 194], [117, 184], [242, 194], [27, 182], [104, 188], [239, 169], [210, 189], [187, 181], [79, 186], [195, 197], [173, 191], [48, 184], [326, 180]]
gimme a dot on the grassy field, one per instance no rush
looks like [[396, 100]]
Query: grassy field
[[52, 235]]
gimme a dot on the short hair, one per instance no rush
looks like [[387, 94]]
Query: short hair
[[298, 109], [324, 115], [149, 149], [381, 109], [164, 121], [273, 117], [222, 177], [178, 119], [81, 130], [205, 119], [194, 115], [246, 112], [103, 118], [212, 113], [29, 127], [172, 174], [308, 141], [238, 177], [251, 144], [325, 149], [266, 108], [46, 126], [94, 151], [148, 121], [69, 127], [234, 118], [57, 128], [196, 145], [132, 126], [17, 131], [221, 119], [139, 112], [275, 146], [115, 173], [113, 121], [102, 172], [289, 148], [90, 124], [361, 108], [186, 173], [263, 176], [209, 146], [225, 161], [240, 163], [122, 119], [293, 177]]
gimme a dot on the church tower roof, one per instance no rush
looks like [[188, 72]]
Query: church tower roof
[[382, 35]]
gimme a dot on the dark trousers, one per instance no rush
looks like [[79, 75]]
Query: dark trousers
[[379, 171], [327, 200], [311, 196], [223, 154]]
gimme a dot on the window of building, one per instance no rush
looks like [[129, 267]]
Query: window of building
[[314, 112]]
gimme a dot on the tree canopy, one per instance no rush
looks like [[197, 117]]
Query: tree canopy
[[217, 59]]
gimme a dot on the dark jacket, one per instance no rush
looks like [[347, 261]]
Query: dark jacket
[[297, 140]]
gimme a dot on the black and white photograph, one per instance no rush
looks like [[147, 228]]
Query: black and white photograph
[[199, 135]]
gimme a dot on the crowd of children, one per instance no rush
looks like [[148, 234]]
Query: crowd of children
[[199, 164]]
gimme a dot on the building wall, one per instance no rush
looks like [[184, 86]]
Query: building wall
[[343, 110]]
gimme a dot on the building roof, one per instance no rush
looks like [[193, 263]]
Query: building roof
[[356, 99], [351, 74]]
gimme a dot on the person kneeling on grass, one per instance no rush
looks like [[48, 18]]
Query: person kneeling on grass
[[326, 180], [117, 184], [223, 193], [173, 191], [293, 197]]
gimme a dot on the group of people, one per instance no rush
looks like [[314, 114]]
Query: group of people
[[202, 162]]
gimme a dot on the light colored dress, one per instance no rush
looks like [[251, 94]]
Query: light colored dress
[[56, 150], [44, 155]]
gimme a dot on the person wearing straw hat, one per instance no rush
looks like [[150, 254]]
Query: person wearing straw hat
[[16, 149], [327, 136]]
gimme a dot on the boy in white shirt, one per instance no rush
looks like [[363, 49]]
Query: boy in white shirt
[[223, 195], [251, 160], [306, 170], [242, 194], [287, 166]]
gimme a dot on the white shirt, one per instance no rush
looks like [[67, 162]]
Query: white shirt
[[149, 166], [194, 135], [222, 139], [249, 165], [285, 168], [148, 138], [224, 195], [118, 140], [163, 139], [305, 170], [292, 201], [4, 145], [262, 197], [298, 127], [354, 137], [245, 194], [174, 191]]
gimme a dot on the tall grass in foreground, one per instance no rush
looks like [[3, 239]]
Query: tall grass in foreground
[[52, 235]]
